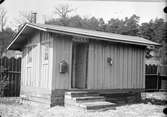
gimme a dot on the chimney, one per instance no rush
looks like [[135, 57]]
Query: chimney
[[33, 17]]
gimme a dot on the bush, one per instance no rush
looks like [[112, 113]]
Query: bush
[[3, 84]]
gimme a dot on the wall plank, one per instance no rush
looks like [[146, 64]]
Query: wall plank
[[90, 66], [125, 72], [62, 50], [37, 73]]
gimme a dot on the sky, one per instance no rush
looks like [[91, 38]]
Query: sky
[[100, 9]]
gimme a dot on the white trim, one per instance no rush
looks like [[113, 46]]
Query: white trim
[[99, 38], [16, 37], [37, 27]]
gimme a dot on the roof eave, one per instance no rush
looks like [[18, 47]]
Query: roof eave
[[21, 31], [105, 39]]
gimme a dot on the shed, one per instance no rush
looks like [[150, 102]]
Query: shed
[[57, 59]]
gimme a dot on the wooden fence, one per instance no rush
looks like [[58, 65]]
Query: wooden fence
[[156, 77], [11, 69]]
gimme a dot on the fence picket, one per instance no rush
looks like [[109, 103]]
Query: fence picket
[[13, 67], [156, 77]]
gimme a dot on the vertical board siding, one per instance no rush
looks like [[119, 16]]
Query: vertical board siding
[[36, 74], [132, 79], [139, 69], [143, 70], [50, 62], [44, 65], [23, 78], [90, 79], [109, 80], [121, 66], [117, 66], [114, 67], [129, 68], [62, 50], [125, 64], [126, 70], [137, 66]]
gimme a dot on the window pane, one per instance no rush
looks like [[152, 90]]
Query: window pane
[[46, 52]]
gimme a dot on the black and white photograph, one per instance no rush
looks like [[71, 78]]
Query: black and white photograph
[[83, 58]]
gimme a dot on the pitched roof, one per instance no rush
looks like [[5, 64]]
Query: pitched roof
[[98, 35]]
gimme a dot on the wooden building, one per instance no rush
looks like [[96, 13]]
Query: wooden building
[[57, 58]]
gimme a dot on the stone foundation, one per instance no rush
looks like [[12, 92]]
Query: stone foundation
[[123, 98], [57, 97], [37, 96]]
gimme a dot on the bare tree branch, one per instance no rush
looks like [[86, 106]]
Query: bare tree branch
[[2, 18], [25, 17], [63, 11]]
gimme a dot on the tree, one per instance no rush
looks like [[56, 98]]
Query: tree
[[155, 30], [93, 23], [25, 17], [101, 25], [5, 39], [2, 18], [131, 25], [75, 21], [115, 26], [128, 26], [63, 10]]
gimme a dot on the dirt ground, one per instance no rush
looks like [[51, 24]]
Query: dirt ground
[[155, 95], [26, 110], [10, 107]]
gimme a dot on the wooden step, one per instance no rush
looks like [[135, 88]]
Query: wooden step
[[98, 105], [87, 101], [89, 98], [80, 93]]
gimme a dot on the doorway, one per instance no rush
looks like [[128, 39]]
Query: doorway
[[79, 65]]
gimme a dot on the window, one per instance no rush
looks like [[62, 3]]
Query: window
[[45, 52]]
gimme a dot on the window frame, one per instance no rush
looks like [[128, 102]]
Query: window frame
[[44, 49]]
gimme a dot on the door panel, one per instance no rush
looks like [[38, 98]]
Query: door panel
[[80, 65]]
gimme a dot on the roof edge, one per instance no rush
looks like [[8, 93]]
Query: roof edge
[[36, 26], [21, 30]]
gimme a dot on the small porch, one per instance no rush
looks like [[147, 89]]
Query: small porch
[[95, 99]]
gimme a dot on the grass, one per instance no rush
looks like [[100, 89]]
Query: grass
[[10, 107], [155, 95], [25, 110]]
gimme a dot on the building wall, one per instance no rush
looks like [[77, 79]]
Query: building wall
[[41, 79], [62, 50], [35, 75], [127, 70]]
